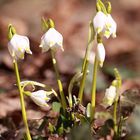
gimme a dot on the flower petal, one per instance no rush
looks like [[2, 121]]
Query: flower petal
[[111, 26], [99, 21]]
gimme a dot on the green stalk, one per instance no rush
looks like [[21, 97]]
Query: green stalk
[[82, 84], [118, 85], [63, 99], [94, 80], [22, 101], [115, 115], [93, 90], [91, 36]]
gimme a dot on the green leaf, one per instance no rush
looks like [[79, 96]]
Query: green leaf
[[56, 106]]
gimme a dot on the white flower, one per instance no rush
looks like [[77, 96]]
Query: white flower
[[110, 96], [100, 54], [52, 39], [18, 45], [105, 24], [111, 27], [40, 97], [99, 22]]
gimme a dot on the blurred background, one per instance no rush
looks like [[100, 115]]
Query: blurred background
[[71, 18]]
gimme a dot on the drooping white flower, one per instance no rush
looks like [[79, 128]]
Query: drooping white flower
[[18, 45], [99, 22], [100, 54], [110, 96], [52, 39], [111, 27], [40, 97]]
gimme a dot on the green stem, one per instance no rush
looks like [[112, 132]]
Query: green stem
[[63, 99], [115, 116], [91, 36], [120, 125], [93, 91], [22, 101], [82, 84], [118, 85], [115, 111]]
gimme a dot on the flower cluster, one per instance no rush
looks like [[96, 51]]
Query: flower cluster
[[19, 44], [104, 25]]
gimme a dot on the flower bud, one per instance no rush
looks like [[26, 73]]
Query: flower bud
[[110, 96], [40, 97], [18, 45], [52, 39], [100, 54]]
